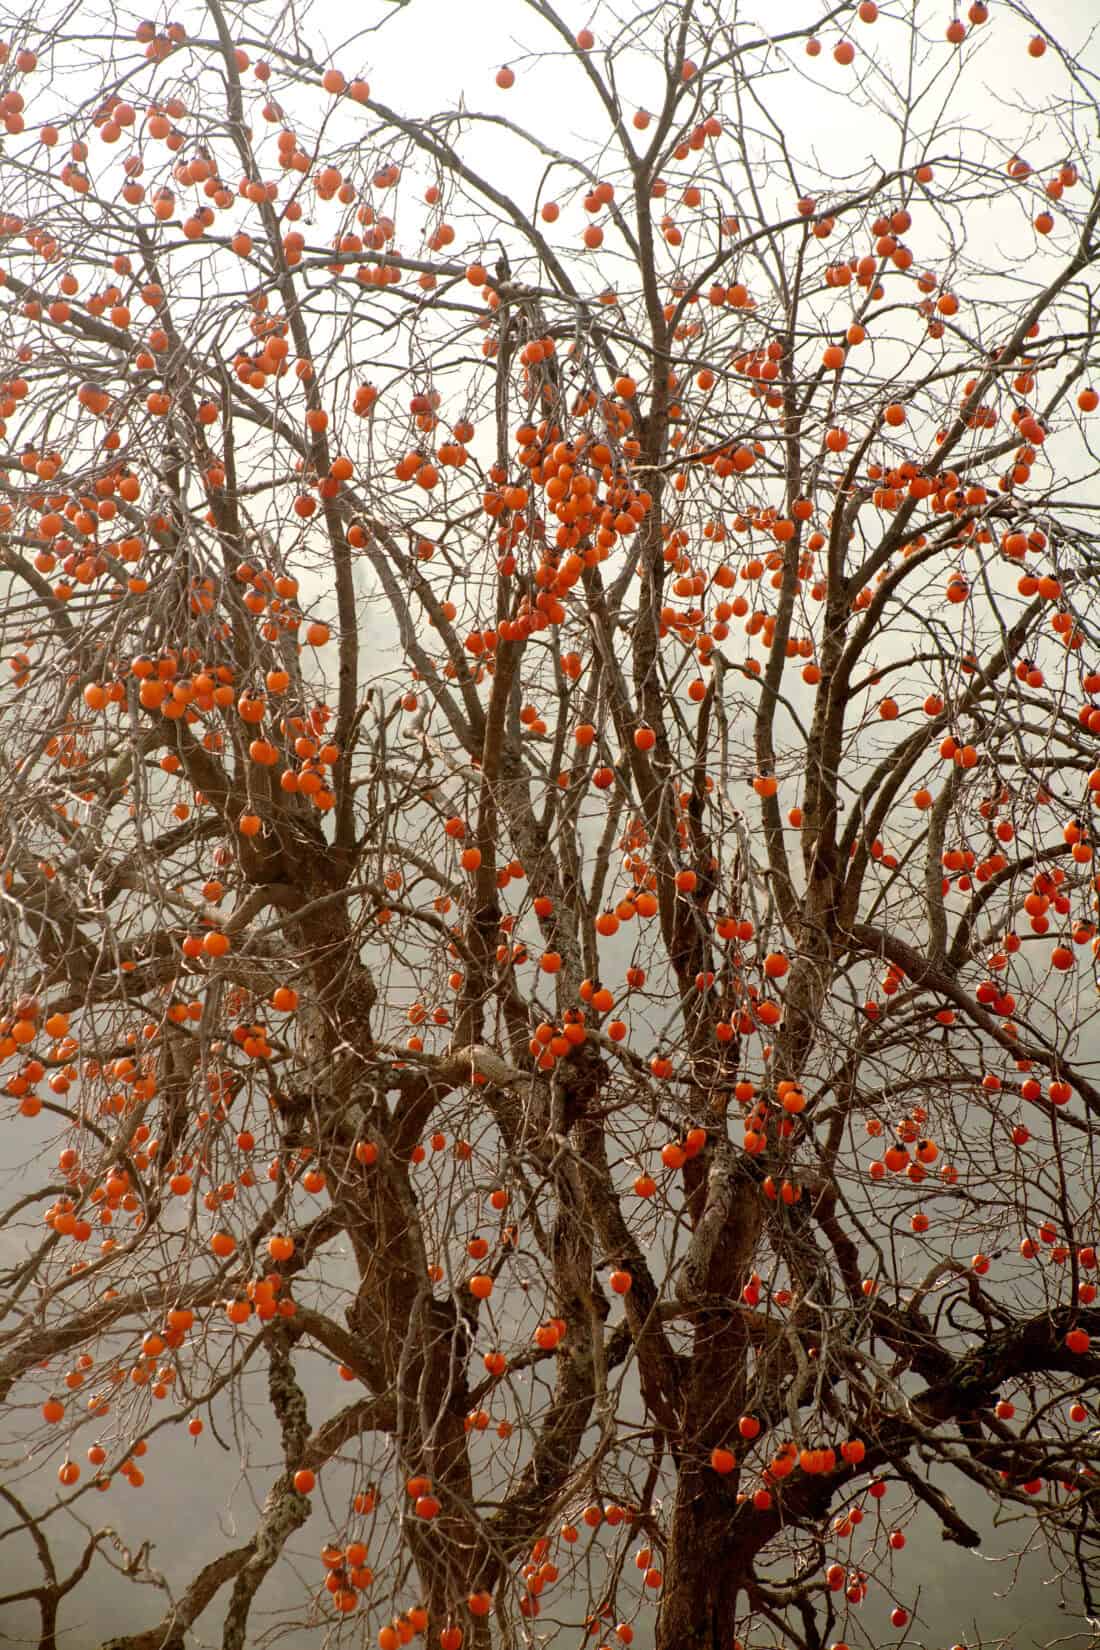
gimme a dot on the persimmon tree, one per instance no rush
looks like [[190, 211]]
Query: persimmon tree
[[549, 738]]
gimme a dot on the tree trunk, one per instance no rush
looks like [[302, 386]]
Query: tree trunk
[[702, 1576]]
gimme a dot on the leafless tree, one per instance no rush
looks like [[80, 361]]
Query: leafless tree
[[549, 766]]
